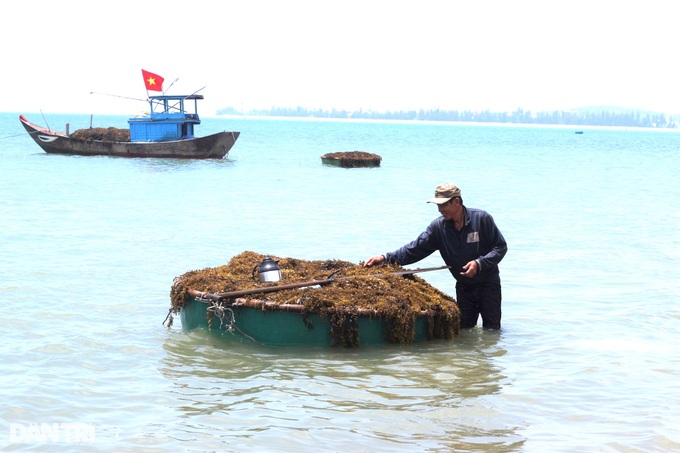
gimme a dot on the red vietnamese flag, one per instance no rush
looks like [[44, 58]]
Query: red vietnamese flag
[[152, 81]]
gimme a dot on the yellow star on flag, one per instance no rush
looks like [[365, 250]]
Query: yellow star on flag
[[152, 82]]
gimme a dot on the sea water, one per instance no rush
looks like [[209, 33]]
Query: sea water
[[587, 359]]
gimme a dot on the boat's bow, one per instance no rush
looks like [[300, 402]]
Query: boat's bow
[[45, 138]]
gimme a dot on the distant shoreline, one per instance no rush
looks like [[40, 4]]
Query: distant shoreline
[[444, 123], [573, 118]]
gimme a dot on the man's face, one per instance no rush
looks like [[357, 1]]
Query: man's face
[[451, 209]]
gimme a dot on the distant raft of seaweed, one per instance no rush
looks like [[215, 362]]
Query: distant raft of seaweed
[[351, 159]]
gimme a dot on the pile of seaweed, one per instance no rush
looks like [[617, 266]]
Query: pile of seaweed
[[106, 134], [397, 299], [353, 159]]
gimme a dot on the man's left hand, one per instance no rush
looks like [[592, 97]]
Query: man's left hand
[[470, 269]]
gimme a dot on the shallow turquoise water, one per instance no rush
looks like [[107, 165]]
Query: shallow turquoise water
[[586, 360]]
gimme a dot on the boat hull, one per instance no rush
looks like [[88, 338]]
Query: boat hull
[[215, 146], [258, 322]]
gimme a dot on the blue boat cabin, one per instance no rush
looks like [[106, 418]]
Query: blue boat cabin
[[168, 119]]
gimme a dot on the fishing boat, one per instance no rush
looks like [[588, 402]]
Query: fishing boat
[[262, 322], [167, 132]]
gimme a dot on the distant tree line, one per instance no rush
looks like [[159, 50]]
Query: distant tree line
[[519, 116]]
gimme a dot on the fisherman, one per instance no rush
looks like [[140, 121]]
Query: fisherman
[[471, 244]]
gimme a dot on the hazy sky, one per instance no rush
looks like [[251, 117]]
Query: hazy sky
[[370, 54]]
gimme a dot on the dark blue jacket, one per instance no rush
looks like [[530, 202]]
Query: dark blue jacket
[[480, 240]]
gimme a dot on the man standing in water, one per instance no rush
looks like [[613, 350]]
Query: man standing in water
[[472, 245]]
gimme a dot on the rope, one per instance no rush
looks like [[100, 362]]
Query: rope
[[166, 318], [18, 135], [221, 312]]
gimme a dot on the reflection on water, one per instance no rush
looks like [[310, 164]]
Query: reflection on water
[[181, 165], [430, 395]]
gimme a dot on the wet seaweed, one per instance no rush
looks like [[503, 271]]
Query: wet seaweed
[[106, 134]]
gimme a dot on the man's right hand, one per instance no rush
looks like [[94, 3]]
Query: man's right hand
[[374, 261]]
